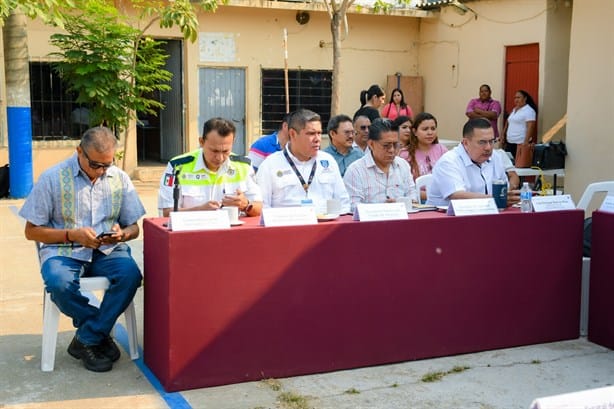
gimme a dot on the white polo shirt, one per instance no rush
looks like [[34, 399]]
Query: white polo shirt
[[281, 186], [455, 171]]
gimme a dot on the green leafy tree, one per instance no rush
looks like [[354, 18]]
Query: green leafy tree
[[121, 93], [103, 58], [112, 65]]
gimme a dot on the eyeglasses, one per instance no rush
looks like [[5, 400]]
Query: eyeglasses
[[390, 146], [484, 142], [96, 165], [349, 133], [364, 127]]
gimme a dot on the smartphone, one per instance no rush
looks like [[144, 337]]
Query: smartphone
[[105, 234]]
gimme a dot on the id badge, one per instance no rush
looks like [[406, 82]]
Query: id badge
[[307, 202]]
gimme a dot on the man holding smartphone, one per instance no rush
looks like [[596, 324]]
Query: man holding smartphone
[[82, 210], [211, 177]]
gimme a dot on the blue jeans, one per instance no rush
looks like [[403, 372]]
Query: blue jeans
[[61, 277]]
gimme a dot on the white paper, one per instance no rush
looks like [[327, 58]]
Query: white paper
[[608, 204], [600, 398], [472, 207], [199, 220], [289, 216], [552, 203], [368, 212]]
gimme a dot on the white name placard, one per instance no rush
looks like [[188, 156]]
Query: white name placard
[[608, 204], [289, 216], [369, 212], [590, 399], [199, 220], [472, 207], [552, 203]]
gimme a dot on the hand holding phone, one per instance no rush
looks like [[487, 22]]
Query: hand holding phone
[[106, 234]]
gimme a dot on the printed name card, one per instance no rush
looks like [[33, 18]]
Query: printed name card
[[600, 398], [552, 203], [199, 220], [608, 204], [289, 216], [369, 212], [472, 207]]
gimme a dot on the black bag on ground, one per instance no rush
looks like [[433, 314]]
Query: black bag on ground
[[550, 155], [4, 181]]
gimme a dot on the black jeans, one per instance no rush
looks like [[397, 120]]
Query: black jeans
[[511, 148]]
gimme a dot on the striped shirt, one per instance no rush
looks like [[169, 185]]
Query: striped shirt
[[367, 183]]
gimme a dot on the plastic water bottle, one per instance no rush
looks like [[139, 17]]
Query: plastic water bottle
[[525, 198]]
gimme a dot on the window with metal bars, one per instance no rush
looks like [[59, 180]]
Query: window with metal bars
[[55, 114], [310, 89]]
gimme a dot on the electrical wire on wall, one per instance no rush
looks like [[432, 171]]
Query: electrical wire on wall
[[476, 14]]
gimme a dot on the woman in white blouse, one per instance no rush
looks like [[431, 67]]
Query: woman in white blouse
[[520, 127]]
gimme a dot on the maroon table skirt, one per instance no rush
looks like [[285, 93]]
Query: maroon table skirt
[[601, 293], [256, 302]]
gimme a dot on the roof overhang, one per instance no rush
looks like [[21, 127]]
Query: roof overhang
[[318, 5]]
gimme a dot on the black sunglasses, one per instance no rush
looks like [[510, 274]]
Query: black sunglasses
[[96, 165]]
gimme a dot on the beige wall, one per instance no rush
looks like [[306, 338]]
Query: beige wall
[[590, 129], [458, 53], [376, 47]]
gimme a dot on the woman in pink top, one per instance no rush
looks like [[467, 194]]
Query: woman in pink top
[[402, 124], [424, 148], [397, 106]]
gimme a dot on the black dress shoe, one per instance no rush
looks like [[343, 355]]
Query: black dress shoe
[[91, 355], [109, 348]]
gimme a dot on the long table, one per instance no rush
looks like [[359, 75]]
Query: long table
[[256, 302], [601, 307]]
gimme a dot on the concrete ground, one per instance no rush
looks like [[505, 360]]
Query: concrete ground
[[505, 379]]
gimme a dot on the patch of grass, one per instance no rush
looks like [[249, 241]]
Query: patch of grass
[[536, 361], [394, 385], [437, 376], [292, 400], [352, 391], [433, 376], [458, 369], [272, 383]]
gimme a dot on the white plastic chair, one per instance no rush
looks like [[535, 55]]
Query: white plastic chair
[[423, 181], [51, 318], [606, 187], [597, 187]]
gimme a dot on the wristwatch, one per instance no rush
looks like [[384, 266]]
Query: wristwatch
[[249, 207]]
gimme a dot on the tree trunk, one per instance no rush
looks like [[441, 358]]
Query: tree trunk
[[16, 58], [19, 116], [335, 28]]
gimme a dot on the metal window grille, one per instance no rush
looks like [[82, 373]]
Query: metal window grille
[[51, 105], [310, 89]]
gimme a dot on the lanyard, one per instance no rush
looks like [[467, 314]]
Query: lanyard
[[482, 176], [298, 174]]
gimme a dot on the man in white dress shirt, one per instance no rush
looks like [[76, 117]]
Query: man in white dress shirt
[[467, 171], [301, 174]]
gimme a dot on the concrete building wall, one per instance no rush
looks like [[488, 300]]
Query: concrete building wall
[[590, 129], [376, 46], [458, 53]]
